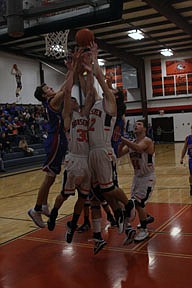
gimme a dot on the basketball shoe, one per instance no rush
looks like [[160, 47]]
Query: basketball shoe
[[52, 219], [99, 245], [148, 220], [36, 217], [84, 227], [130, 235], [45, 210], [70, 232], [119, 216], [130, 211], [142, 235]]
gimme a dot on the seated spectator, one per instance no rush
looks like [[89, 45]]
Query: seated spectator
[[34, 134], [2, 169], [5, 143], [24, 147]]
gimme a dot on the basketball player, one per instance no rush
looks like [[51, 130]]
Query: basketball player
[[102, 120], [15, 71], [55, 144], [86, 224], [119, 124], [141, 152], [76, 174], [188, 148]]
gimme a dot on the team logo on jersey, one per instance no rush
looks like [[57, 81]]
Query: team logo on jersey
[[96, 112], [82, 122]]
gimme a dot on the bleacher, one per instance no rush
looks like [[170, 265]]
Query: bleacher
[[16, 122], [18, 161]]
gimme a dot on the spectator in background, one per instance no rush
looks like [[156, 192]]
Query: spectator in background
[[23, 145], [150, 131], [34, 134], [2, 169], [158, 134], [5, 143]]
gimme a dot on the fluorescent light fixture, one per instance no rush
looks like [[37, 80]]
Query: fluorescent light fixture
[[166, 52], [136, 34], [101, 62]]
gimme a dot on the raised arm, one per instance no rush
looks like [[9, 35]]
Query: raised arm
[[122, 149], [57, 101], [86, 82], [90, 93], [110, 102], [144, 145], [67, 109]]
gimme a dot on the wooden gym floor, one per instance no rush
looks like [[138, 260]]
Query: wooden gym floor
[[32, 257]]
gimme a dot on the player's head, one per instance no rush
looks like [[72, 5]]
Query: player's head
[[140, 126], [42, 92], [74, 104]]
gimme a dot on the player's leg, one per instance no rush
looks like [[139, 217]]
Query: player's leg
[[36, 212]]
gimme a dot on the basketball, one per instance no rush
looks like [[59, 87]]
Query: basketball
[[84, 37]]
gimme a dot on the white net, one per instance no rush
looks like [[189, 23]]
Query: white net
[[56, 44]]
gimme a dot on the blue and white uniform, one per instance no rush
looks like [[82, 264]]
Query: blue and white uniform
[[56, 142], [189, 152]]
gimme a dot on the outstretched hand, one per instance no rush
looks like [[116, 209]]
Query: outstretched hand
[[94, 49]]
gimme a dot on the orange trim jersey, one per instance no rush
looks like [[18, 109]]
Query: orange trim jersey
[[143, 163], [77, 135], [101, 126]]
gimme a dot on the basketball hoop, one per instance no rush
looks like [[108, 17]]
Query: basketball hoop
[[56, 44]]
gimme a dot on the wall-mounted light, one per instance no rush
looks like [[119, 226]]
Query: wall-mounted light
[[166, 52], [136, 34]]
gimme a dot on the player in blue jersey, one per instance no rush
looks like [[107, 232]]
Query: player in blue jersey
[[118, 129], [188, 148], [55, 144]]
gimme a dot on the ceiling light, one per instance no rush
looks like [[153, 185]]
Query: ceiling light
[[101, 62], [166, 52], [136, 34]]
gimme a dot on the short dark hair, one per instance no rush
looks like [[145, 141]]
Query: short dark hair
[[39, 93], [143, 121]]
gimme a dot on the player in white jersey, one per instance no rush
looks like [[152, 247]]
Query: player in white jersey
[[102, 118], [76, 174], [141, 152]]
